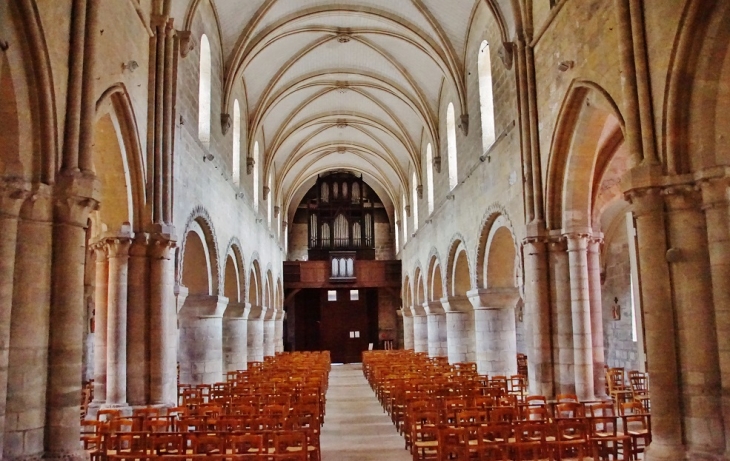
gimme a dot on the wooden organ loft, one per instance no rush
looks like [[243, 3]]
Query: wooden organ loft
[[341, 217]]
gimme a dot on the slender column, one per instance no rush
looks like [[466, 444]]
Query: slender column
[[72, 206], [279, 330], [581, 312], [201, 339], [162, 318], [594, 288], [561, 317], [255, 346], [29, 324], [457, 328], [138, 322], [698, 353], [100, 320], [437, 345], [659, 324], [495, 331], [716, 203], [537, 317], [269, 332], [116, 351], [420, 329], [407, 328], [12, 194], [235, 337]]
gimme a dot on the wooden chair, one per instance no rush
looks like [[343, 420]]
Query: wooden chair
[[246, 446], [571, 440], [166, 444], [493, 441], [531, 442], [640, 389], [637, 425], [290, 446], [453, 443], [425, 443], [607, 443], [617, 387], [206, 444]]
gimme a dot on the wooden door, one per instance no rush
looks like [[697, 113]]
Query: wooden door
[[344, 325]]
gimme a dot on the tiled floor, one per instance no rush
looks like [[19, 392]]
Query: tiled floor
[[356, 428]]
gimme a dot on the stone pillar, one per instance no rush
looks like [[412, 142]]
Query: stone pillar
[[255, 346], [407, 328], [495, 332], [73, 203], [269, 331], [116, 356], [594, 289], [162, 322], [437, 343], [138, 366], [716, 203], [420, 329], [537, 317], [101, 291], [12, 194], [698, 353], [201, 339], [659, 324], [235, 337], [279, 330], [25, 414], [458, 334], [581, 314]]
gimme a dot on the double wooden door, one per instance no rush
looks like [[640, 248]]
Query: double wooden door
[[344, 326]]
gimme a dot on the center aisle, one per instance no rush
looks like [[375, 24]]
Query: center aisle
[[356, 428]]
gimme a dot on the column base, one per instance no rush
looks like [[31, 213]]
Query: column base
[[124, 407], [657, 451]]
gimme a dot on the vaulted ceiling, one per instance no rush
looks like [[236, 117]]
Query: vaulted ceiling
[[345, 84]]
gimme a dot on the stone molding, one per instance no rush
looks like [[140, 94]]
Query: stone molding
[[494, 298], [202, 306], [456, 304]]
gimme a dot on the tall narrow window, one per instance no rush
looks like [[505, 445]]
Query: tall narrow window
[[397, 232], [486, 98], [204, 96], [405, 221], [256, 176], [415, 202], [270, 199], [236, 143], [429, 177], [451, 138]]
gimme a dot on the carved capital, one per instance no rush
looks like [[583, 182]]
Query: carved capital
[[118, 247], [226, 123], [276, 211], [408, 211], [13, 192], [265, 194], [506, 54], [682, 197], [464, 124], [161, 248], [76, 196], [419, 191], [250, 162], [437, 164], [140, 245], [187, 44]]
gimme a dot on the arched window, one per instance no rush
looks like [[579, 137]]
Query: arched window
[[256, 176], [397, 232], [486, 98], [415, 202], [429, 177], [270, 199], [236, 143], [405, 221], [451, 138], [204, 96]]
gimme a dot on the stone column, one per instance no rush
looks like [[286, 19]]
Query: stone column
[[458, 333], [279, 330], [495, 332], [29, 324], [101, 291], [162, 322], [269, 331], [659, 324], [12, 195], [235, 337], [594, 289], [581, 311], [255, 346], [73, 203], [537, 317], [407, 328], [116, 357], [561, 316], [201, 339], [698, 353], [420, 329], [138, 366], [437, 343], [716, 203]]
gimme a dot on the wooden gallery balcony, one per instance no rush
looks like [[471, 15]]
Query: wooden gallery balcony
[[341, 271]]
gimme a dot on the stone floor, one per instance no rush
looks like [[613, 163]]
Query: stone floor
[[356, 428]]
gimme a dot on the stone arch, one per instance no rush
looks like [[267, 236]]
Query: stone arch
[[407, 293], [200, 223], [269, 287], [118, 162], [254, 281], [435, 282], [234, 282], [695, 128], [497, 264], [419, 295], [589, 130], [458, 268], [279, 294]]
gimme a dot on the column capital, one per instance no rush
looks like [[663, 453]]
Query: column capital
[[418, 310], [577, 241], [161, 248], [682, 197], [433, 307], [494, 298], [456, 304], [13, 192], [76, 195], [140, 245]]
